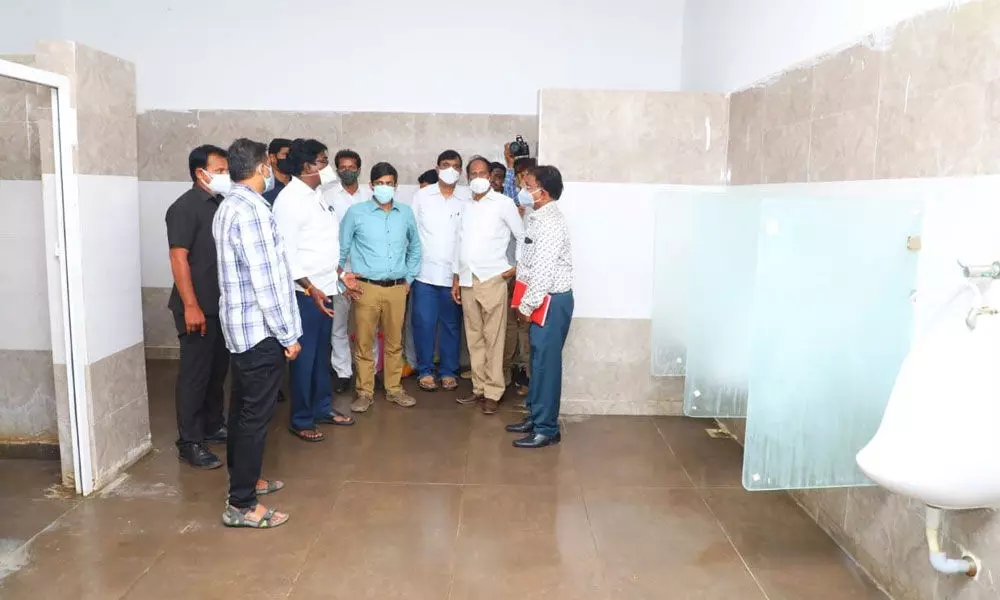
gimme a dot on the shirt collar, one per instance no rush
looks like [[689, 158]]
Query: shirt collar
[[203, 195], [246, 193], [297, 185]]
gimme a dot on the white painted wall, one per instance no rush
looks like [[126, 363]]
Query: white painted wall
[[379, 55], [730, 44]]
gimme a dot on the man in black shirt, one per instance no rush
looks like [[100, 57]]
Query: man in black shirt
[[194, 302], [277, 152]]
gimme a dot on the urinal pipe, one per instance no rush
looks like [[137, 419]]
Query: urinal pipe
[[939, 560]]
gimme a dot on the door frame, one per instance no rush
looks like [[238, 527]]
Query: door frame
[[68, 252]]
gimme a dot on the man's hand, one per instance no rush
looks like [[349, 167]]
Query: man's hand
[[456, 294], [322, 301], [353, 294], [508, 156], [407, 289], [521, 210], [292, 352], [509, 273], [194, 320], [523, 317], [351, 281]]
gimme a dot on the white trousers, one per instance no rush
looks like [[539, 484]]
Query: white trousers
[[340, 357]]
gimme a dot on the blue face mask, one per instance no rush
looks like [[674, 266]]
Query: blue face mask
[[524, 198], [383, 193], [269, 181]]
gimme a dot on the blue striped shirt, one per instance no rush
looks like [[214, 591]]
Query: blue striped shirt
[[381, 245], [257, 296]]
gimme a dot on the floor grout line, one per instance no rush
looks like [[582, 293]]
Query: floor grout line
[[319, 534], [159, 556]]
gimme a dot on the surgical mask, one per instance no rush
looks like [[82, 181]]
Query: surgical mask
[[219, 183], [327, 175], [348, 177], [269, 181], [449, 176], [480, 185], [383, 193], [525, 198]]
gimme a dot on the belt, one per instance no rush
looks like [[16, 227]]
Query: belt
[[383, 282]]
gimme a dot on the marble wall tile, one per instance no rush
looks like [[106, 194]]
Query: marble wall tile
[[58, 57], [105, 84], [61, 382], [788, 99], [786, 153], [120, 411], [107, 145], [745, 157], [157, 320], [19, 158], [164, 140], [27, 396], [842, 146], [849, 80], [14, 100], [682, 139]]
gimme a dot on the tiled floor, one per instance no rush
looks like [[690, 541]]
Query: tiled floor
[[433, 503]]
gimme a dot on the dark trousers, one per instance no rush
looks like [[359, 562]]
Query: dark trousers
[[199, 395], [256, 379], [434, 307], [547, 343], [312, 388]]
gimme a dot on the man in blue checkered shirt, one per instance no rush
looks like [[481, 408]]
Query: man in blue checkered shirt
[[261, 324]]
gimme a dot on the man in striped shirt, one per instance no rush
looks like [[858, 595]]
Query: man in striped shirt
[[260, 322]]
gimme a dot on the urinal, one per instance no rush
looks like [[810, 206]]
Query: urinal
[[934, 443]]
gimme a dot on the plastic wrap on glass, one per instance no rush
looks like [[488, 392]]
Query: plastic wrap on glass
[[723, 261], [832, 323], [674, 231]]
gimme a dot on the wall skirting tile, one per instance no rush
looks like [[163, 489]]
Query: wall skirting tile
[[27, 396]]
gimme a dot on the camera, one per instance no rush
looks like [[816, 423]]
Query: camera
[[519, 147]]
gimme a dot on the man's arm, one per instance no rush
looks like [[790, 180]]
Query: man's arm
[[288, 217], [543, 261], [181, 227], [273, 295], [414, 250]]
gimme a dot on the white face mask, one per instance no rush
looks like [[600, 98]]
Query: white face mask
[[327, 175], [219, 183], [480, 185], [449, 176]]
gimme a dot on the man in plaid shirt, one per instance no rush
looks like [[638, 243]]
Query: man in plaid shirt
[[260, 322]]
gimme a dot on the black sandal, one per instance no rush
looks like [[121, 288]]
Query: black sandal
[[331, 419], [303, 435]]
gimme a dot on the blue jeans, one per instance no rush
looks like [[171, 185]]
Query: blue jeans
[[312, 389], [434, 307], [547, 343]]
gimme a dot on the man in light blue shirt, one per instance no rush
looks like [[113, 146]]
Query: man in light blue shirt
[[380, 238]]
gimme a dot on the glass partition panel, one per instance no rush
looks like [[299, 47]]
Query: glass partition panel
[[720, 284], [832, 322], [674, 230]]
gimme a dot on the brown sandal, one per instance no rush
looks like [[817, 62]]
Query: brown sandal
[[427, 383]]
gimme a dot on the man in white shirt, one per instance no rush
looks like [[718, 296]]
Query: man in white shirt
[[310, 229], [482, 269], [342, 198], [437, 209]]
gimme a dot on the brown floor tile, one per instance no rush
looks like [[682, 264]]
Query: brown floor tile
[[789, 554], [664, 543], [604, 451], [414, 446], [30, 479], [493, 460], [383, 542], [20, 519], [525, 542], [709, 462]]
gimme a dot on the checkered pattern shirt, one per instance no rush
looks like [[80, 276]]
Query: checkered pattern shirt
[[257, 295]]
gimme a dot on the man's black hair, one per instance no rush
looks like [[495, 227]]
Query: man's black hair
[[244, 157], [277, 144], [477, 158], [198, 159], [382, 169], [430, 177], [495, 165], [524, 163], [346, 154], [450, 155], [549, 179], [301, 153]]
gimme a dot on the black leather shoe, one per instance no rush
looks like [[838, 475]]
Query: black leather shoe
[[343, 385], [537, 440], [198, 456], [281, 396], [525, 426], [219, 437]]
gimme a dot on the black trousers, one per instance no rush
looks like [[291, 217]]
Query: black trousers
[[257, 375], [199, 393]]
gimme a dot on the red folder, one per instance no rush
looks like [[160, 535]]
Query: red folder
[[541, 313]]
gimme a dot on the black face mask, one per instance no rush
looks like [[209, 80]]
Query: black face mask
[[348, 177], [284, 166]]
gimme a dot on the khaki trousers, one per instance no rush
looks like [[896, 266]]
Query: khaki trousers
[[385, 307], [485, 308], [516, 346]]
